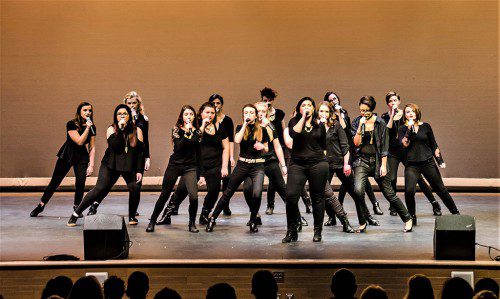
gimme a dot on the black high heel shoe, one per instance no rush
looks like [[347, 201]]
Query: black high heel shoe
[[151, 227], [291, 236], [376, 209], [362, 230], [38, 209], [436, 208], [192, 227], [406, 230], [331, 221], [210, 225], [414, 219], [317, 234], [346, 227], [253, 227], [372, 221], [93, 209]]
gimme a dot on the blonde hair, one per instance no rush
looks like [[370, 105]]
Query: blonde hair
[[262, 104], [132, 95], [331, 117], [257, 129]]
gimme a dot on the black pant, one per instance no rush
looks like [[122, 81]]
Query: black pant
[[212, 177], [60, 171], [189, 175], [413, 172], [273, 172], [392, 168], [365, 169], [298, 174], [105, 181], [368, 189], [243, 170]]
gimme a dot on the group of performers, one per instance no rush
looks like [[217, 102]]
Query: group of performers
[[320, 141]]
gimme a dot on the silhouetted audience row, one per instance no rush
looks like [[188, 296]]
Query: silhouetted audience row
[[264, 286]]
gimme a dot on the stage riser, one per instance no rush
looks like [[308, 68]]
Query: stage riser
[[192, 282]]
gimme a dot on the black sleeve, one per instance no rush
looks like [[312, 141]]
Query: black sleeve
[[116, 141], [145, 137], [238, 128], [292, 124], [229, 128], [70, 126], [222, 133], [344, 143], [323, 137], [384, 139], [280, 114], [433, 145], [402, 133], [354, 127], [139, 148]]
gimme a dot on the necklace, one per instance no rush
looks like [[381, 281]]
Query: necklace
[[210, 129], [308, 129]]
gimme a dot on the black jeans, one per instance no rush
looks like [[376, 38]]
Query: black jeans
[[392, 171], [105, 181], [368, 189], [189, 175], [243, 170], [298, 174], [365, 169], [414, 171], [273, 171], [212, 177], [60, 171]]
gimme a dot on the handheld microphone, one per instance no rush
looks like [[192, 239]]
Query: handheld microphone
[[337, 107], [247, 120], [217, 109], [362, 129], [121, 124], [91, 128]]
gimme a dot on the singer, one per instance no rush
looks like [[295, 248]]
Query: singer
[[308, 164], [185, 162], [78, 152], [227, 123], [122, 157], [345, 123], [421, 149], [372, 146], [394, 120], [215, 159], [253, 140]]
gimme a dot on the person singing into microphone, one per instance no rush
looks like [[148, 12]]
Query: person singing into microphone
[[253, 140], [122, 158], [227, 123], [308, 164], [421, 149], [78, 152], [215, 157], [372, 146], [185, 162], [345, 122], [394, 120]]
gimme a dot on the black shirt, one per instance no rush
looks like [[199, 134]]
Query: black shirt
[[271, 153], [422, 144], [227, 124], [211, 148], [143, 123], [367, 146], [72, 152], [337, 146], [308, 147], [277, 121], [187, 149], [121, 156], [395, 148], [247, 150]]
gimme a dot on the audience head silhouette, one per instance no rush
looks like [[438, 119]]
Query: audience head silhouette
[[137, 285], [374, 292], [60, 286], [221, 290], [114, 288], [419, 287], [486, 284], [456, 288], [86, 287], [264, 285], [484, 294], [167, 293], [343, 284]]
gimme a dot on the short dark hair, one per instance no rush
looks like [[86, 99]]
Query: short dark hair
[[86, 287], [167, 293], [264, 285], [374, 292], [268, 93], [314, 113], [419, 287], [368, 101], [343, 284], [328, 94], [456, 288], [221, 290], [114, 288], [216, 96], [486, 284], [60, 286], [391, 94], [137, 285]]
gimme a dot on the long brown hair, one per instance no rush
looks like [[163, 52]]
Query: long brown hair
[[130, 129], [180, 121], [332, 118], [78, 120], [416, 109], [257, 129]]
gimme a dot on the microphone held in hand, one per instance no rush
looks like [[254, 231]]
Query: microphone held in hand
[[121, 124], [91, 127], [362, 130], [247, 120]]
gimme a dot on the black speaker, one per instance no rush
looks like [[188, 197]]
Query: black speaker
[[105, 237], [455, 238]]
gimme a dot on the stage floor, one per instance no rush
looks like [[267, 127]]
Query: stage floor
[[23, 238]]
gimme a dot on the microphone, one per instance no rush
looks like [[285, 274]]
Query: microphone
[[411, 129], [121, 124], [91, 128], [337, 107], [362, 129], [247, 120]]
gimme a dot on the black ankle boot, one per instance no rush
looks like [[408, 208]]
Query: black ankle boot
[[392, 212], [210, 225], [204, 217], [291, 236], [269, 210], [436, 208], [253, 227], [372, 221], [414, 219], [192, 226], [226, 211], [93, 209], [317, 234], [169, 210], [151, 227], [72, 220], [38, 209], [331, 221], [376, 209], [346, 227], [303, 221]]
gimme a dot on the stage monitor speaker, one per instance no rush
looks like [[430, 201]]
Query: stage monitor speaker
[[455, 238], [105, 237]]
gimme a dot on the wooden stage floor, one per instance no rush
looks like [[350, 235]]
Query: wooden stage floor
[[30, 239]]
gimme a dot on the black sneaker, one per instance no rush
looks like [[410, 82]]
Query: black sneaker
[[132, 221], [72, 220], [227, 211], [93, 209], [38, 209]]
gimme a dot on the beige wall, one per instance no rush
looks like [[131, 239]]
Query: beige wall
[[441, 55]]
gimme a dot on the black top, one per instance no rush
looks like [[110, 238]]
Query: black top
[[187, 149], [337, 146], [247, 150], [121, 156], [308, 147], [211, 148], [143, 123], [276, 120], [395, 148], [227, 124], [72, 152], [271, 153], [368, 146], [422, 144]]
